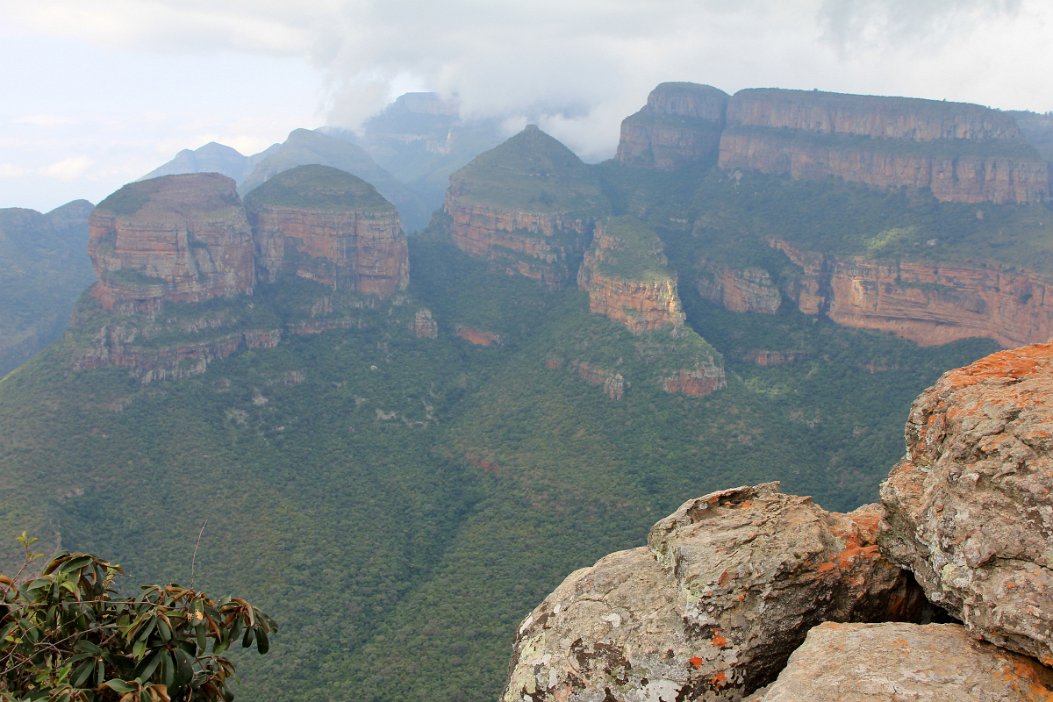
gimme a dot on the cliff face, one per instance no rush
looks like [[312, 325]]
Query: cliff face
[[328, 226], [747, 290], [527, 207], [182, 238], [963, 153], [625, 275], [681, 124], [541, 246], [928, 303], [731, 583], [158, 246]]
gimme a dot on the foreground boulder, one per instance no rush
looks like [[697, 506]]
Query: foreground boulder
[[970, 508], [898, 661], [726, 589]]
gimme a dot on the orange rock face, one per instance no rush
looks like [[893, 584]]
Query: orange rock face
[[697, 382], [182, 238], [477, 337], [539, 246], [925, 302], [748, 290], [643, 304], [613, 383], [364, 252], [963, 153]]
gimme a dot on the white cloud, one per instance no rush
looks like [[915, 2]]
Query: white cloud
[[11, 170], [68, 169]]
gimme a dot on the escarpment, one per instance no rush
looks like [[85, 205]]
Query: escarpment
[[527, 207], [962, 153], [163, 247], [959, 152], [734, 582], [927, 302], [681, 124]]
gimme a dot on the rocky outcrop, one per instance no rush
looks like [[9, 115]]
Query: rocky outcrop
[[970, 507], [424, 324], [696, 382], [769, 357], [961, 152], [929, 303], [739, 290], [899, 661], [612, 382], [731, 581], [478, 337], [625, 275], [711, 609], [180, 238], [331, 227], [680, 125], [527, 207]]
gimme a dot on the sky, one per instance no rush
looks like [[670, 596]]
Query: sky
[[96, 93]]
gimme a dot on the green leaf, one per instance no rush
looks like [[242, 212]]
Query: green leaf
[[262, 643], [149, 666], [121, 687], [82, 672]]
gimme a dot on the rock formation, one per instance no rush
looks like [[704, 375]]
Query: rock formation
[[681, 124], [625, 275], [961, 152], [180, 238], [970, 508], [527, 207], [159, 246], [747, 290], [331, 227], [927, 302], [731, 582], [897, 661]]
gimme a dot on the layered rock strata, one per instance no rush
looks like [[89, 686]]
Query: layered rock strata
[[739, 290], [928, 303], [899, 661], [961, 152], [625, 275], [331, 227], [970, 507], [680, 125], [711, 609], [181, 238], [527, 207]]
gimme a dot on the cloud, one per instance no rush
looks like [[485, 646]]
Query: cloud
[[68, 169], [43, 120], [10, 170]]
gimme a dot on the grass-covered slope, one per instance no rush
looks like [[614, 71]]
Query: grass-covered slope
[[531, 172]]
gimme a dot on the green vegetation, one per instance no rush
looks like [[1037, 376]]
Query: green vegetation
[[127, 201], [45, 268], [69, 636], [401, 503], [636, 252], [317, 187], [532, 172]]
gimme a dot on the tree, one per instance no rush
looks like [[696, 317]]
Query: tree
[[67, 636]]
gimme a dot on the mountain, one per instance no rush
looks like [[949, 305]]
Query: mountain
[[399, 445], [421, 139], [45, 268], [211, 158], [304, 147]]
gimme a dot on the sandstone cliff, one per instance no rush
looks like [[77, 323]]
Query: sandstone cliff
[[162, 247], [680, 125], [331, 227], [625, 274], [927, 302], [526, 206], [181, 238], [962, 153], [731, 583]]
